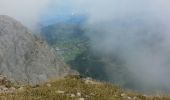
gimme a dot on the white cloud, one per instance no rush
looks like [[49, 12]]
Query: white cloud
[[26, 11]]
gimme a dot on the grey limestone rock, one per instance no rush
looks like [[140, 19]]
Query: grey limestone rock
[[25, 58]]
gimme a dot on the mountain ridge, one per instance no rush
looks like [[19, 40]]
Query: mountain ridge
[[25, 58]]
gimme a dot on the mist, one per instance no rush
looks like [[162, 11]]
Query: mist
[[137, 31], [28, 12]]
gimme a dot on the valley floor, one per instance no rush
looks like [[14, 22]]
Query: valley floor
[[75, 88]]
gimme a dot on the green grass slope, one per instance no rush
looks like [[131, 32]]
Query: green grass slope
[[76, 88]]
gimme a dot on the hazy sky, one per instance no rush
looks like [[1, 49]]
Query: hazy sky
[[31, 12], [26, 11]]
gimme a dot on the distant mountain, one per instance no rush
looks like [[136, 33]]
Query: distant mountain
[[71, 19], [25, 58], [61, 32]]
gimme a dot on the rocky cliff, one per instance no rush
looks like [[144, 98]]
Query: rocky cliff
[[25, 58]]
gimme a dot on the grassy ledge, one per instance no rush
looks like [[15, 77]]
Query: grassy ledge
[[75, 88]]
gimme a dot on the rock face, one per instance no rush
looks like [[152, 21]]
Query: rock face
[[25, 58]]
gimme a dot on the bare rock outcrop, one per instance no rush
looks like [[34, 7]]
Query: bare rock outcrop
[[25, 58]]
